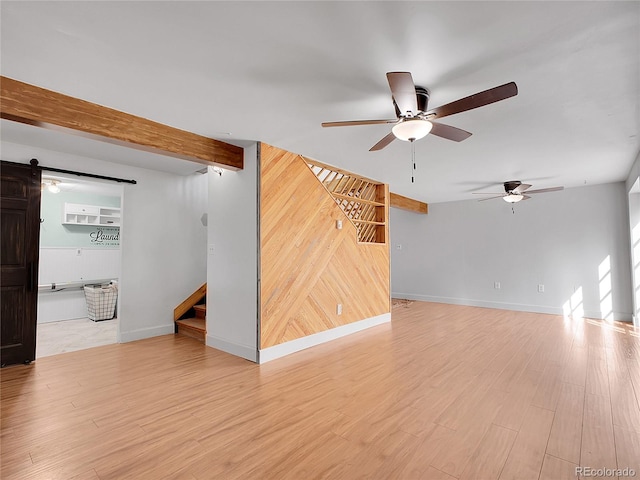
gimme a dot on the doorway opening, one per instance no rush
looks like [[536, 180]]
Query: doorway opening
[[79, 265]]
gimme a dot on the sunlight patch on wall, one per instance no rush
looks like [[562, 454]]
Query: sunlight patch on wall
[[604, 285], [573, 307]]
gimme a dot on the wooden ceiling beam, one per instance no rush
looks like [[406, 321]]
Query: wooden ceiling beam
[[25, 103], [405, 203]]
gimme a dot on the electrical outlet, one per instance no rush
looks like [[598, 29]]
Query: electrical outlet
[[496, 285], [399, 246], [339, 309], [339, 224], [212, 249], [540, 288]]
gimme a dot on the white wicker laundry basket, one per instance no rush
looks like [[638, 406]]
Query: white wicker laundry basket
[[101, 301]]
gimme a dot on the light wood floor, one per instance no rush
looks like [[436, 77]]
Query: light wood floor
[[442, 392]]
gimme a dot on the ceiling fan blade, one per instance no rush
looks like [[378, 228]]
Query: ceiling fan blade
[[349, 123], [491, 198], [383, 143], [543, 190], [525, 197], [474, 101], [521, 188], [486, 193], [404, 91], [449, 132]]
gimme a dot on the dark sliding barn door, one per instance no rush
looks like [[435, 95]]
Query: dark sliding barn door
[[19, 245]]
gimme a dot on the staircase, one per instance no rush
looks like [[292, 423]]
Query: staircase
[[190, 315]]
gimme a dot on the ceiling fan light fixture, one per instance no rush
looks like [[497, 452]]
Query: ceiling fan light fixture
[[412, 129], [512, 198]]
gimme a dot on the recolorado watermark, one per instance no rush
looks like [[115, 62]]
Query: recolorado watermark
[[605, 472]]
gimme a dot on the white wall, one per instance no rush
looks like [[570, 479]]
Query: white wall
[[59, 305], [633, 189], [560, 240], [634, 173], [75, 264], [232, 293], [163, 242], [164, 245]]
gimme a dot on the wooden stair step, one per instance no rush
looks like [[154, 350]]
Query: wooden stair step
[[201, 310], [193, 327]]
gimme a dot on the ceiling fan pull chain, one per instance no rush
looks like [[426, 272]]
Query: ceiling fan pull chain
[[413, 159]]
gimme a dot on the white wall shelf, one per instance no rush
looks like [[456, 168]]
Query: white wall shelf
[[91, 215]]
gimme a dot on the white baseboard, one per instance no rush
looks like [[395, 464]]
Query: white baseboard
[[623, 317], [250, 353], [277, 351], [124, 337], [480, 303], [518, 307]]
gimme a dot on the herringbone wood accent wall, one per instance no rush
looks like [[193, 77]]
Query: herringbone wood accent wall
[[308, 266]]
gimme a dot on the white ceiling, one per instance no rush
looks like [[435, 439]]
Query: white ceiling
[[273, 71]]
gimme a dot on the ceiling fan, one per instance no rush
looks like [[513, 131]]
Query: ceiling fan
[[414, 121], [515, 191]]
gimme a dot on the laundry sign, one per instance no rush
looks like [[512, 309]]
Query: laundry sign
[[105, 236]]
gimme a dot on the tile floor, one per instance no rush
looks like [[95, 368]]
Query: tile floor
[[71, 335]]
